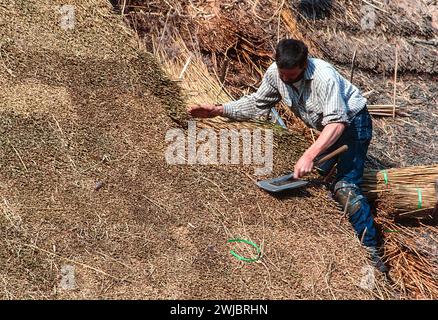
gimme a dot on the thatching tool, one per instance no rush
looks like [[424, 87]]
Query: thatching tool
[[288, 182]]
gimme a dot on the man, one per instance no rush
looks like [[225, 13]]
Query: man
[[326, 101]]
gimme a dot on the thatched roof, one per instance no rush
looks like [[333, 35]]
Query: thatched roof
[[374, 29], [84, 182], [395, 62]]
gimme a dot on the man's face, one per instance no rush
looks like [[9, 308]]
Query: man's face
[[289, 76]]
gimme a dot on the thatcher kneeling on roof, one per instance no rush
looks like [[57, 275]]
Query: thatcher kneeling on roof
[[326, 101]]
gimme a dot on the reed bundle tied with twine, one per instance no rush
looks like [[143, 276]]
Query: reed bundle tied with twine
[[411, 200], [410, 252], [377, 181], [387, 110]]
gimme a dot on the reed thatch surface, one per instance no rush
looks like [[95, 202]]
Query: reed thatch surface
[[407, 210], [84, 182], [373, 28], [234, 40], [412, 253]]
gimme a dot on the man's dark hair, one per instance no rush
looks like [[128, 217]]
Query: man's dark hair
[[291, 53]]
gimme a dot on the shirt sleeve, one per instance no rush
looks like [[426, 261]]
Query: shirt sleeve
[[257, 104], [334, 107]]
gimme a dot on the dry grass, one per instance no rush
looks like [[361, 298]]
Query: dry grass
[[235, 57], [151, 230], [411, 252]]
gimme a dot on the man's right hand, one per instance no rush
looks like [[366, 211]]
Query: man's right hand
[[205, 110]]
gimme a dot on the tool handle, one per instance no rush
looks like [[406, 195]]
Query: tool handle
[[332, 154]]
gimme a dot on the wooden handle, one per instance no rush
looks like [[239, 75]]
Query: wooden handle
[[332, 154]]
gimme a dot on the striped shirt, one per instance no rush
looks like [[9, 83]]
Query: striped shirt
[[323, 97]]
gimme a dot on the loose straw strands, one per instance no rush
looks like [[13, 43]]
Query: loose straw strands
[[192, 73], [198, 85], [412, 254]]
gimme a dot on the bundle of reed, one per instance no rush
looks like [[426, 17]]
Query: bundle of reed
[[377, 181], [188, 69], [412, 255], [192, 74], [198, 85], [295, 30], [408, 201], [387, 110]]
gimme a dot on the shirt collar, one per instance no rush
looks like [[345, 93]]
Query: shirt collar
[[310, 70]]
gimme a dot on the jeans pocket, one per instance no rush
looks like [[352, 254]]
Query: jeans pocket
[[363, 125]]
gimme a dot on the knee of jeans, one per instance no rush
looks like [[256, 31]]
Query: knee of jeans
[[362, 219]]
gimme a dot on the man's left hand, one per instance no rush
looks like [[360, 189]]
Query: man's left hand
[[303, 166]]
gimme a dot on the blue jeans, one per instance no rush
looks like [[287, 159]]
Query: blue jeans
[[357, 136]]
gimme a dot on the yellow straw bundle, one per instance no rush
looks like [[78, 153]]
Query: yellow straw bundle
[[410, 200], [375, 182]]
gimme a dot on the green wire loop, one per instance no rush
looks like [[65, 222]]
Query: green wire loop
[[420, 198], [385, 176], [243, 258]]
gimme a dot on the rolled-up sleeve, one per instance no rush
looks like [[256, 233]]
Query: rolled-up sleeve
[[333, 105], [257, 104]]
